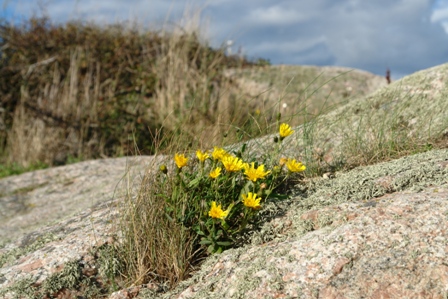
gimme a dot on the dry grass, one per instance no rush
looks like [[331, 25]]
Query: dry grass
[[154, 247], [301, 93], [85, 91]]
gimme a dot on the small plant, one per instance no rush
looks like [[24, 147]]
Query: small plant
[[218, 195], [200, 204]]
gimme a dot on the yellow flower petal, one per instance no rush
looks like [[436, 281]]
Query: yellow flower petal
[[219, 153], [295, 166], [253, 173], [202, 156], [232, 164], [215, 172], [180, 160], [251, 201], [217, 212], [285, 130]]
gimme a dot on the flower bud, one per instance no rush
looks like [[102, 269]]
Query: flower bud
[[283, 161], [163, 169], [276, 169]]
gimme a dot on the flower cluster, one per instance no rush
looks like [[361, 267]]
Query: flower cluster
[[225, 195]]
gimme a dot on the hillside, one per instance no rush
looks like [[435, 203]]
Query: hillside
[[316, 89], [346, 230]]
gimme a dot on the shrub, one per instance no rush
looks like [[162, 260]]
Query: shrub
[[91, 91]]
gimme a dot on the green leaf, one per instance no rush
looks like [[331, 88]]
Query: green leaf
[[175, 195], [205, 242], [247, 188], [194, 183], [169, 217], [224, 243], [225, 225], [243, 148], [278, 196]]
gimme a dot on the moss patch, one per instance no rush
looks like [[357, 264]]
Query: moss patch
[[30, 244], [91, 277], [412, 173]]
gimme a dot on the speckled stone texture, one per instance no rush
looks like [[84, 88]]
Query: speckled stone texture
[[378, 231], [33, 199], [57, 215], [394, 248]]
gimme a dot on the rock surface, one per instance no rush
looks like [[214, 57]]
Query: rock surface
[[54, 216], [372, 246], [378, 231], [33, 199]]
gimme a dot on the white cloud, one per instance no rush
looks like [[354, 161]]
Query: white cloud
[[405, 36], [288, 46], [439, 14], [275, 15]]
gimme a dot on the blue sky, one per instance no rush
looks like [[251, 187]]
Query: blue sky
[[403, 35]]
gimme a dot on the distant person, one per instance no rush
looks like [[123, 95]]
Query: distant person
[[388, 75]]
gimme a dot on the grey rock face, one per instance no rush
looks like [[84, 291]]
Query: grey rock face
[[378, 231], [390, 246]]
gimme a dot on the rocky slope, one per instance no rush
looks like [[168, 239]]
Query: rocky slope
[[377, 231]]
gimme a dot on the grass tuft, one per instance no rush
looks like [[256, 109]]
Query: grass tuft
[[199, 203]]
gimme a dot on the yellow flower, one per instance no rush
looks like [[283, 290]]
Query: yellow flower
[[219, 153], [215, 173], [295, 166], [251, 201], [232, 164], [202, 156], [253, 173], [217, 212], [285, 130], [180, 160]]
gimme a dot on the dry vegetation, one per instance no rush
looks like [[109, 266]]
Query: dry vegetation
[[82, 91]]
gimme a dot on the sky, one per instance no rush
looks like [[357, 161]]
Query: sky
[[403, 35]]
